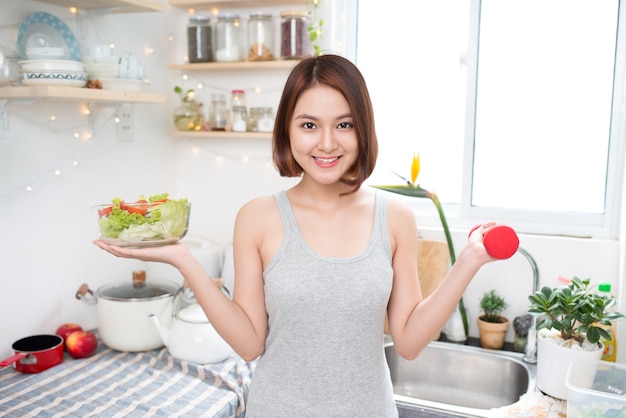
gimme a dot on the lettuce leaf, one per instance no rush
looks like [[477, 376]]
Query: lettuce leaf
[[166, 218]]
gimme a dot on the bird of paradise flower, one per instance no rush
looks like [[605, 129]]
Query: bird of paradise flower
[[415, 190]]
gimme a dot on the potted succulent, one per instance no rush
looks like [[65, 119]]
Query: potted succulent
[[574, 320], [491, 324]]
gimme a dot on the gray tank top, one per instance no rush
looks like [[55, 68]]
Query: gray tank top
[[324, 354]]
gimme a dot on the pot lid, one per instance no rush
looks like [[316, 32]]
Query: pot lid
[[138, 290], [193, 313]]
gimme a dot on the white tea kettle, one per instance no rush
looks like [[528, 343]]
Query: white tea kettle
[[192, 337]]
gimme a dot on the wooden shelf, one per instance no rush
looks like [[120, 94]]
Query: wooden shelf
[[222, 134], [208, 4], [241, 65], [111, 6], [76, 94]]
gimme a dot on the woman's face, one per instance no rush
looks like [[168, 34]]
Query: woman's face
[[322, 135]]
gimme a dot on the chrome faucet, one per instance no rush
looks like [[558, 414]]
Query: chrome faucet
[[530, 352]]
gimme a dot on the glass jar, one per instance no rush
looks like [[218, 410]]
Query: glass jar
[[227, 33], [239, 111], [294, 40], [189, 117], [261, 119], [218, 115], [260, 37], [199, 39]]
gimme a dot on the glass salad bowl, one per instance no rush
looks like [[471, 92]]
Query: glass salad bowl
[[145, 223]]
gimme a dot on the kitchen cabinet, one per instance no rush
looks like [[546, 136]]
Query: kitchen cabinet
[[111, 6]]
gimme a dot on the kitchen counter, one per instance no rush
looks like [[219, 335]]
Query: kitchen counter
[[121, 384], [153, 383]]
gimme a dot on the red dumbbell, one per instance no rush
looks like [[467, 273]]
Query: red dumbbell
[[501, 241]]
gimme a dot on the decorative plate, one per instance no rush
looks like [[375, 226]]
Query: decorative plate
[[41, 29]]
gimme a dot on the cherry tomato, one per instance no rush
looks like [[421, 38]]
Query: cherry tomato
[[105, 211], [140, 207]]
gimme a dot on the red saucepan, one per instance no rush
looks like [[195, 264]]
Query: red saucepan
[[36, 353]]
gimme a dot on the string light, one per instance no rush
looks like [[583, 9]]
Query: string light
[[87, 135], [221, 157]]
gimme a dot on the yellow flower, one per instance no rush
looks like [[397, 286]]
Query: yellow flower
[[415, 168]]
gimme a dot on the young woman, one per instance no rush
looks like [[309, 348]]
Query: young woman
[[318, 266]]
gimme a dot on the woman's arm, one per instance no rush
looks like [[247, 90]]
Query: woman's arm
[[414, 321], [242, 322]]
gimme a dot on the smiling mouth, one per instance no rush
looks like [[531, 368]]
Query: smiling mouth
[[326, 160]]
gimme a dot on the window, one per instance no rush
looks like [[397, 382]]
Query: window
[[515, 107]]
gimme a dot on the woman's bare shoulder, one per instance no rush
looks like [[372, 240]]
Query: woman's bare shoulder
[[398, 210], [259, 206], [257, 213]]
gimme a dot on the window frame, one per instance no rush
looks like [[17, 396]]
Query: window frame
[[464, 215]]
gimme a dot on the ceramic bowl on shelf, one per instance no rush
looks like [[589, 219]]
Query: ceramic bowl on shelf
[[45, 52], [54, 78], [101, 70], [51, 65]]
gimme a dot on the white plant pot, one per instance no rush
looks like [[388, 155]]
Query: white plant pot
[[553, 362]]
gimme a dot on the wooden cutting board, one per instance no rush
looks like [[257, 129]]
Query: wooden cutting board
[[433, 262]]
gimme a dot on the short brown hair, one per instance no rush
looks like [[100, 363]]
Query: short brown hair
[[339, 74]]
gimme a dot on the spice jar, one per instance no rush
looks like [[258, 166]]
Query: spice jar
[[261, 119], [260, 37], [239, 111], [218, 115], [227, 33], [294, 41], [199, 39]]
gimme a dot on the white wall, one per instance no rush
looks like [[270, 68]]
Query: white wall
[[46, 250]]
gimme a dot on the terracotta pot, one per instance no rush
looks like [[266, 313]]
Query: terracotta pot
[[553, 362], [492, 333]]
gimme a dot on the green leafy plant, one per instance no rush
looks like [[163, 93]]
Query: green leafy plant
[[314, 28], [575, 310], [492, 304], [415, 190], [187, 97]]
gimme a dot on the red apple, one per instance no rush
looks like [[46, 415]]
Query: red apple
[[81, 344], [66, 329]]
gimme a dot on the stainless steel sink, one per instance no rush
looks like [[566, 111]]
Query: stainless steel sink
[[468, 381]]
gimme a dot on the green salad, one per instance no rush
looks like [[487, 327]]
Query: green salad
[[154, 218]]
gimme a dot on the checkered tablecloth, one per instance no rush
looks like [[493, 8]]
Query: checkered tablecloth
[[120, 384]]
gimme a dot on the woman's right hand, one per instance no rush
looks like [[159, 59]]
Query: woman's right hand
[[170, 254]]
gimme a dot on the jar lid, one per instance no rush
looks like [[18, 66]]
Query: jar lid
[[193, 313], [137, 291], [228, 16], [263, 15], [294, 13], [196, 18]]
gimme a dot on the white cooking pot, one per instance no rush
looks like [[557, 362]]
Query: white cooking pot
[[124, 311]]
